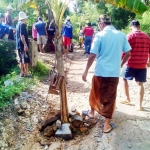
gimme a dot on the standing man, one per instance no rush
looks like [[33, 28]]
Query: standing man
[[51, 34], [22, 44], [9, 22], [107, 48], [4, 30], [137, 63], [88, 32], [67, 35], [42, 35], [81, 37]]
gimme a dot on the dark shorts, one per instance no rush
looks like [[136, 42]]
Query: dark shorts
[[24, 56], [130, 73]]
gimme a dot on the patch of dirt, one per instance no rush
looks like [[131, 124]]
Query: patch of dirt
[[21, 131]]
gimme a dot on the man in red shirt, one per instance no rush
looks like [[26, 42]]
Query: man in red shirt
[[88, 32], [137, 63]]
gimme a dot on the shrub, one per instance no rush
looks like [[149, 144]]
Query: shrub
[[7, 57], [7, 93], [41, 69]]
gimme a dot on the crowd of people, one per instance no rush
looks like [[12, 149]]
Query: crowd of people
[[111, 48], [108, 47]]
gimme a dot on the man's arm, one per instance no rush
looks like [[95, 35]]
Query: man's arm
[[125, 58], [46, 32], [89, 63], [34, 27], [148, 62], [24, 42], [15, 19]]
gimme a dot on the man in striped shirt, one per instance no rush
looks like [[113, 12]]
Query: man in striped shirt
[[136, 66]]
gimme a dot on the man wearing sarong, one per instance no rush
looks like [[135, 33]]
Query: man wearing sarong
[[107, 48]]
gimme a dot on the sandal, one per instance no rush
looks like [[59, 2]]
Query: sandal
[[112, 125], [125, 102], [86, 113], [28, 76], [21, 75]]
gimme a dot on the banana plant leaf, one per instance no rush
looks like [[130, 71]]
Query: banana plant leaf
[[135, 6]]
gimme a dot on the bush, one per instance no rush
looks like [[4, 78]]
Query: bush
[[7, 57], [41, 69], [8, 93]]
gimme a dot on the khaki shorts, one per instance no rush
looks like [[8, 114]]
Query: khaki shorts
[[80, 39], [41, 39]]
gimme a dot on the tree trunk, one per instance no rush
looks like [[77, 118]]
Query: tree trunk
[[50, 14], [60, 68]]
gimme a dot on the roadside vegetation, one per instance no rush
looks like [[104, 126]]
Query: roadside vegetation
[[12, 84]]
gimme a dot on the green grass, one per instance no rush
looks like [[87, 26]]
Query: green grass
[[7, 93]]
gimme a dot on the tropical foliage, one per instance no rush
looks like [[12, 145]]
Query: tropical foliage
[[7, 57], [135, 6]]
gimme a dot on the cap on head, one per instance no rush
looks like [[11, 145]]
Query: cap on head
[[104, 18], [22, 16], [1, 15], [9, 8], [68, 18], [134, 23]]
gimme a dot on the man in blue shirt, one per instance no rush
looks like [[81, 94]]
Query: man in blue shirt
[[4, 30], [67, 36], [107, 48], [42, 35]]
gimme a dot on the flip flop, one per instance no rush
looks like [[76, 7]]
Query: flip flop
[[21, 75], [85, 113], [112, 127], [125, 102], [28, 76], [139, 109]]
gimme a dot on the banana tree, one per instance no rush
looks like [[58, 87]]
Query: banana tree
[[136, 6], [58, 8]]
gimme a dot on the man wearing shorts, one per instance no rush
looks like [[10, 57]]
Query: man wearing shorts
[[137, 63], [67, 35], [42, 35], [81, 37], [107, 48], [22, 44]]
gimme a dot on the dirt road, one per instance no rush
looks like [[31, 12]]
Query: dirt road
[[132, 127]]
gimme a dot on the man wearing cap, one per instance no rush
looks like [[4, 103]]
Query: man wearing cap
[[88, 32], [9, 22], [67, 35], [22, 44], [107, 48], [137, 63], [42, 35], [8, 19], [4, 30]]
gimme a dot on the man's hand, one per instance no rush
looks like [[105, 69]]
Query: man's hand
[[148, 64], [84, 76], [26, 48]]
